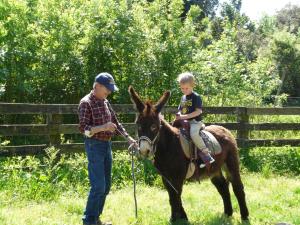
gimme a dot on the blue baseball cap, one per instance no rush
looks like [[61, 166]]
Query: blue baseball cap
[[107, 80]]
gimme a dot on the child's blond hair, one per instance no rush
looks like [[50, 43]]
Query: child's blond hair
[[186, 77]]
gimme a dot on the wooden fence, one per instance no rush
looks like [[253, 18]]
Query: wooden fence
[[54, 127]]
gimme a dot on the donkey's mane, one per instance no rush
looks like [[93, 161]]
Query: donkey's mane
[[169, 126]]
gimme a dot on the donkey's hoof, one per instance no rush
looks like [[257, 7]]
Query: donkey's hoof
[[245, 216], [228, 213], [245, 219], [181, 221]]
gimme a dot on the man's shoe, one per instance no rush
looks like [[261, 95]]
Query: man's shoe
[[103, 223], [86, 223]]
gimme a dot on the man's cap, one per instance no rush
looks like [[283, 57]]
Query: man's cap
[[107, 80]]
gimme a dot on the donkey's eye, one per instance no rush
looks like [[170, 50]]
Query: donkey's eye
[[153, 127]]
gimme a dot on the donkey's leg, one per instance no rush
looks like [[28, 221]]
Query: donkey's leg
[[234, 177], [177, 211], [222, 186]]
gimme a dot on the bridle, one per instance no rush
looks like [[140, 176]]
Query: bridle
[[153, 142]]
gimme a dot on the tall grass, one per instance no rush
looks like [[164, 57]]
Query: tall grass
[[46, 177]]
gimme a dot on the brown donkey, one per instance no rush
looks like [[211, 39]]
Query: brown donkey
[[156, 139]]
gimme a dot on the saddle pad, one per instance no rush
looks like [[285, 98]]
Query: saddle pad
[[191, 170], [211, 142], [186, 145]]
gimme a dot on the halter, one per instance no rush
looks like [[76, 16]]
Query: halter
[[153, 142]]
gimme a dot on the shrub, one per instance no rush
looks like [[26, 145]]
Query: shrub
[[280, 160]]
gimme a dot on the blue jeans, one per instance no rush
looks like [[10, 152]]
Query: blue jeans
[[99, 169]]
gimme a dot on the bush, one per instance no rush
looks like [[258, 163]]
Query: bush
[[279, 160], [46, 177], [122, 172]]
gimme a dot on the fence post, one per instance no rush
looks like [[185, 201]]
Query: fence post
[[53, 122], [243, 120]]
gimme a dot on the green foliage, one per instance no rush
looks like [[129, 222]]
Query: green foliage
[[37, 177], [285, 48], [42, 177], [122, 170], [274, 134], [50, 51], [282, 47], [288, 18], [39, 45], [231, 9], [207, 8], [267, 26], [221, 67], [45, 178], [283, 160]]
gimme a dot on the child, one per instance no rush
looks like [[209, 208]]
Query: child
[[190, 109]]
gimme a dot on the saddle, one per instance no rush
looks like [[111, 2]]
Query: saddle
[[190, 151]]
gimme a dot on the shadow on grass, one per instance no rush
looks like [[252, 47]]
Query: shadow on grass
[[215, 220], [181, 222]]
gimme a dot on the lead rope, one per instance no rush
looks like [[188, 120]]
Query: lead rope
[[132, 150], [159, 172], [131, 147]]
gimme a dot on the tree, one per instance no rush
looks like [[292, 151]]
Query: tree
[[286, 53], [227, 78], [208, 8], [289, 18], [50, 51]]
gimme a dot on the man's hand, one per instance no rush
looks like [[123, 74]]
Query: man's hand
[[109, 126], [161, 116], [132, 141], [105, 127]]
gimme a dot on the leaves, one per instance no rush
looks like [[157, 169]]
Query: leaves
[[50, 51]]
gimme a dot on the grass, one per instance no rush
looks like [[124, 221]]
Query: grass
[[271, 200], [52, 190]]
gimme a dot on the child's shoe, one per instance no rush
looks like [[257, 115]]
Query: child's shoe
[[206, 158]]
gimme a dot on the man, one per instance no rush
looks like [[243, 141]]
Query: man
[[98, 122]]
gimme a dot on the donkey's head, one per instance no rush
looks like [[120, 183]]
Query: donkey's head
[[148, 121]]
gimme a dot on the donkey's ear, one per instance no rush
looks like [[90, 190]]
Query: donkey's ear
[[162, 101], [136, 99]]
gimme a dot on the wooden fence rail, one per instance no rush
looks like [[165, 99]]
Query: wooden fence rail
[[54, 126]]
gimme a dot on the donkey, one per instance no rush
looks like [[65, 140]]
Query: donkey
[[157, 139]]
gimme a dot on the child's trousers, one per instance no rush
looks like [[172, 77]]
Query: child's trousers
[[194, 132]]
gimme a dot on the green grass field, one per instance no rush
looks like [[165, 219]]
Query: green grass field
[[271, 200]]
